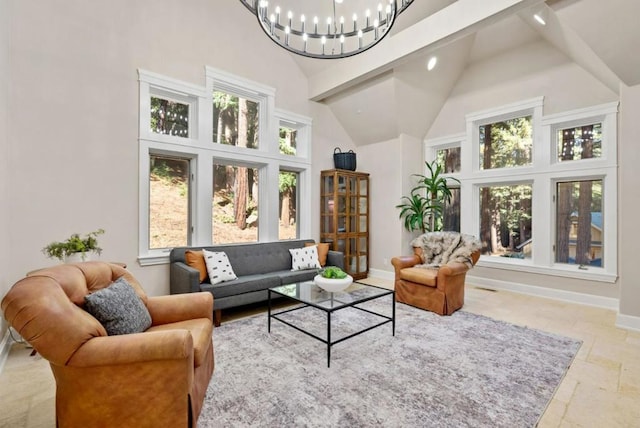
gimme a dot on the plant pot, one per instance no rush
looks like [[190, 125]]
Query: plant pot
[[77, 258], [332, 284]]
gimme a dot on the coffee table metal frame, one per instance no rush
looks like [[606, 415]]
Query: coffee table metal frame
[[334, 298]]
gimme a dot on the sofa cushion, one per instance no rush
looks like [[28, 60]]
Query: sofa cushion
[[323, 251], [289, 277], [304, 258], [119, 309], [218, 267], [241, 285], [420, 275], [195, 259]]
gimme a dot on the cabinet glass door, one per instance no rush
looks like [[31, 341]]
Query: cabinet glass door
[[344, 219], [352, 257], [327, 184], [363, 187], [342, 185], [362, 205], [363, 224]]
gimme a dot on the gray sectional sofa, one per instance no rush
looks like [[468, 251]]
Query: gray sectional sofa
[[258, 266]]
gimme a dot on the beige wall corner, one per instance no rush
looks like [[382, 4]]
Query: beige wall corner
[[629, 202], [383, 161], [4, 173]]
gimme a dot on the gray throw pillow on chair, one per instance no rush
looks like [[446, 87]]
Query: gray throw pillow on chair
[[119, 309]]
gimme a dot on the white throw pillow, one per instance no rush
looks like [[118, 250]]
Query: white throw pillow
[[218, 266], [304, 258]]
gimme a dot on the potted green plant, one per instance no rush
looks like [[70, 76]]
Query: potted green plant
[[75, 247], [423, 209], [332, 279]]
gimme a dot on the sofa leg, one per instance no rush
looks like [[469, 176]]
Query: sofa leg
[[217, 317]]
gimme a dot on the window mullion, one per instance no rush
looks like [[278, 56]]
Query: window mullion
[[542, 213], [269, 202], [203, 195], [143, 192]]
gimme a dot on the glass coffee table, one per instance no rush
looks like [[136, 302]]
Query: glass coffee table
[[308, 294]]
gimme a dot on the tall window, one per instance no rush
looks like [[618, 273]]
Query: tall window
[[288, 183], [236, 120], [451, 215], [449, 158], [582, 142], [505, 220], [287, 141], [579, 235], [169, 117], [506, 143], [199, 183], [168, 201], [235, 204]]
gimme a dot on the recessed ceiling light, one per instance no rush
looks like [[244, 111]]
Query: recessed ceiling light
[[432, 63], [540, 19]]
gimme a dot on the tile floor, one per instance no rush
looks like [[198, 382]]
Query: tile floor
[[601, 389]]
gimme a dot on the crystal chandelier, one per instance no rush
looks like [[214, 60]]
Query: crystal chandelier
[[326, 33]]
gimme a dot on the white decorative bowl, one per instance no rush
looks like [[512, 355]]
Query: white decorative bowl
[[333, 284]]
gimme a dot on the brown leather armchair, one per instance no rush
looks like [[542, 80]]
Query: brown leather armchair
[[439, 290], [155, 378]]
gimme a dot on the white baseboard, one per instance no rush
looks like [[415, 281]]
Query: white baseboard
[[628, 322], [382, 274], [551, 293], [532, 290], [5, 346]]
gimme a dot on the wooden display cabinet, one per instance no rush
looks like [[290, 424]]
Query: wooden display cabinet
[[344, 217]]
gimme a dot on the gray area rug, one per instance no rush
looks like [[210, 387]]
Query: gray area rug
[[463, 370]]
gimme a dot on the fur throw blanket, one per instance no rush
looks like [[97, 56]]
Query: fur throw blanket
[[440, 248]]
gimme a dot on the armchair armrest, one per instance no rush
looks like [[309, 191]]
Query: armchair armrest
[[451, 273], [183, 278], [452, 269], [402, 262], [124, 379], [180, 307], [134, 348]]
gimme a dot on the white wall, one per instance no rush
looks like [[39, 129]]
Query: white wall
[[384, 186], [328, 134], [74, 111], [529, 71], [629, 202], [390, 164], [4, 163]]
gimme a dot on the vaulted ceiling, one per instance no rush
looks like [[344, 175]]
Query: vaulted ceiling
[[388, 91]]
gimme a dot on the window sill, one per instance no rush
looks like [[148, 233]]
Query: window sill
[[152, 260], [567, 271]]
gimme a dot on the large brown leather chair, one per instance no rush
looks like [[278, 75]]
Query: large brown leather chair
[[439, 290], [157, 378]]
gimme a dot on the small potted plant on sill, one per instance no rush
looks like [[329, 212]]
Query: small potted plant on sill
[[75, 248]]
